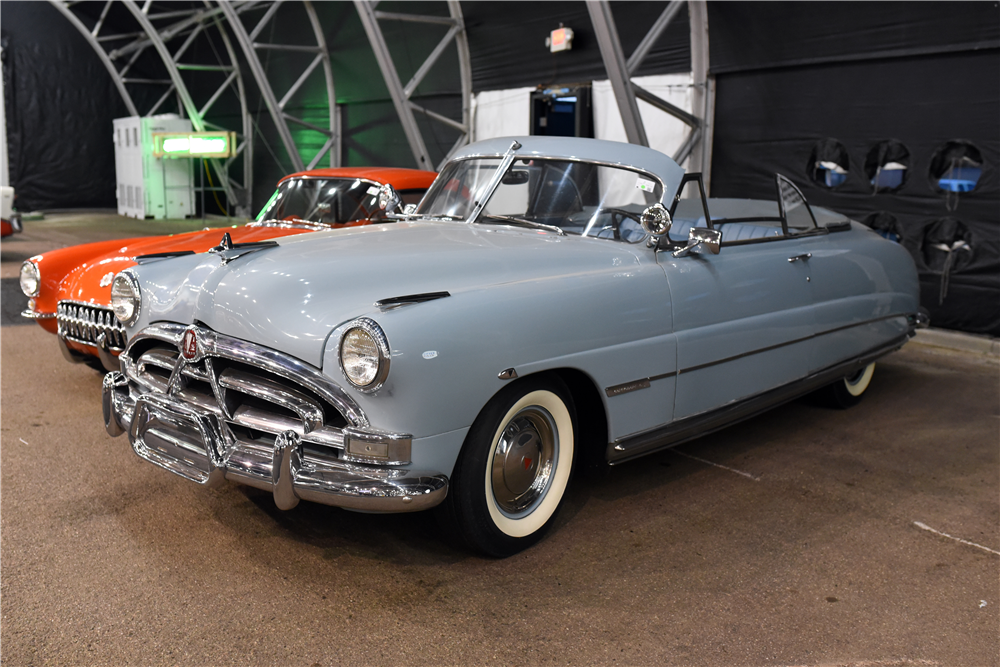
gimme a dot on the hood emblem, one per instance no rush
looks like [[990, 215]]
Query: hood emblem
[[228, 251], [190, 350], [189, 345], [107, 278]]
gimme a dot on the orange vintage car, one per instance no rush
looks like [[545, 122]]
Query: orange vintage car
[[69, 289]]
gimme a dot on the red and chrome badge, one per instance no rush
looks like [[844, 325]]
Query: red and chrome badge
[[189, 345]]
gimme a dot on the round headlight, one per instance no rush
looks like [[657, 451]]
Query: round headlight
[[125, 298], [364, 354], [31, 279]]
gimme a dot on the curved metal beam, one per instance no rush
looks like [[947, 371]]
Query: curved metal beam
[[276, 107], [92, 40], [401, 94], [192, 23], [698, 144], [703, 94], [614, 63]]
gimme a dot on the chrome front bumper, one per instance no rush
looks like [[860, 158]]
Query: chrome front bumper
[[196, 445]]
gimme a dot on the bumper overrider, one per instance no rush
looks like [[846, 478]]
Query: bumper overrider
[[209, 407]]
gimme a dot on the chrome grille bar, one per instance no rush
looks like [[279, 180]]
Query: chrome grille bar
[[84, 322], [309, 410], [239, 393]]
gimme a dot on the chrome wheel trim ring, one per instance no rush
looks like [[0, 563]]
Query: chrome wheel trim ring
[[524, 461]]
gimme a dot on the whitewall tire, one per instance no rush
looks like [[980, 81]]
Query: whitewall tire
[[515, 467], [847, 391]]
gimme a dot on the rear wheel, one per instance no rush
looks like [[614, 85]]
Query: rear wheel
[[848, 391], [515, 465]]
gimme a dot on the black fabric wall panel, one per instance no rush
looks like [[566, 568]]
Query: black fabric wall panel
[[770, 121], [59, 103], [756, 35], [507, 42]]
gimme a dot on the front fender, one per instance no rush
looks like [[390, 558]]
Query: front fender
[[446, 354]]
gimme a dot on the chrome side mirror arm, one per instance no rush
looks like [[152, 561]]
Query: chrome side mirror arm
[[710, 238]]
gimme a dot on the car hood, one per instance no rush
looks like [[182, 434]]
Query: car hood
[[90, 280], [291, 297]]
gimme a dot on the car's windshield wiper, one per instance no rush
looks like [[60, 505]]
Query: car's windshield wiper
[[523, 222]]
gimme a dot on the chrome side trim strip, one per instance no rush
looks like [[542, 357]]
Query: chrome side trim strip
[[699, 367], [635, 385], [619, 389], [679, 432], [32, 315]]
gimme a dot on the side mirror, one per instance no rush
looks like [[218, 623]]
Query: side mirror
[[388, 198], [710, 238]]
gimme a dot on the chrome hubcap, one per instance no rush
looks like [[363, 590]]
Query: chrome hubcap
[[524, 461]]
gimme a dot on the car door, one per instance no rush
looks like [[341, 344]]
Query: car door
[[743, 320]]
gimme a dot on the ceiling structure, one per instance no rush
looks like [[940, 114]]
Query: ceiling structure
[[170, 29]]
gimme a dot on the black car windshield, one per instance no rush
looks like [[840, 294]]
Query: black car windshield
[[576, 197], [327, 201]]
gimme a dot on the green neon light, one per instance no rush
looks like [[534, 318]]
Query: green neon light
[[193, 144], [207, 145], [176, 145]]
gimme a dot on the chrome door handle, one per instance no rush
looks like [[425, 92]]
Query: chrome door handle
[[802, 257]]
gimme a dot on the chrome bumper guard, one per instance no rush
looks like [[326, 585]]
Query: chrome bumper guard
[[194, 444]]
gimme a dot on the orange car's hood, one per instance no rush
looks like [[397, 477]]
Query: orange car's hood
[[90, 280]]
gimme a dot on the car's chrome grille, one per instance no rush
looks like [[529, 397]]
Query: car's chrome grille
[[84, 322], [255, 403]]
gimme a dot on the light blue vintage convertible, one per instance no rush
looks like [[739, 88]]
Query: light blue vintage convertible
[[551, 304]]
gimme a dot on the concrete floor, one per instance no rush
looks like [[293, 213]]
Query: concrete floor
[[791, 539]]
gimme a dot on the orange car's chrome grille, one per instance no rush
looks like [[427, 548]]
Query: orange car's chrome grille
[[84, 322]]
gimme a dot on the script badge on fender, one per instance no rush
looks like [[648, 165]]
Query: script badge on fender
[[189, 345]]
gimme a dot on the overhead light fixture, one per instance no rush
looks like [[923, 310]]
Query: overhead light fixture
[[560, 39]]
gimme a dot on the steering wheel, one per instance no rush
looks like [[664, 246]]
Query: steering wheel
[[618, 215]]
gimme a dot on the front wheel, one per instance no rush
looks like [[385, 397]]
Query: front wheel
[[848, 391], [515, 465]]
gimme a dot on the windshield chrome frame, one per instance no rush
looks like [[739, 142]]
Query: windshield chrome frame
[[508, 159]]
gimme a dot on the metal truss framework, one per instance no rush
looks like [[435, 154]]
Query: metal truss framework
[[176, 29], [698, 144], [251, 45], [401, 94]]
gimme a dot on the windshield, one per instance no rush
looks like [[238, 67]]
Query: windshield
[[576, 197], [328, 201]]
